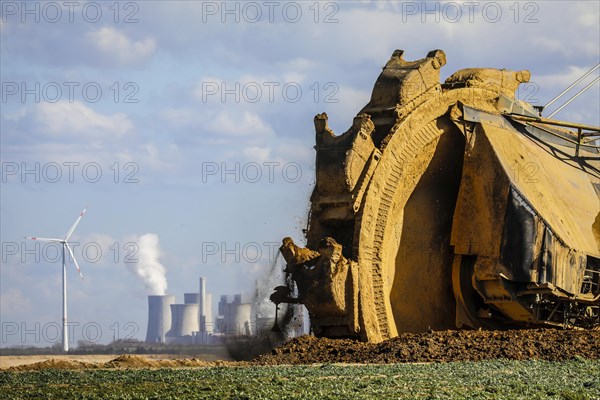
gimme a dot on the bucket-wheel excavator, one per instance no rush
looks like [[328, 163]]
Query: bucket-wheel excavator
[[449, 205]]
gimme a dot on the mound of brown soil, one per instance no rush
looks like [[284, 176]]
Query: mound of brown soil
[[191, 362], [442, 346], [129, 361], [53, 364], [123, 361]]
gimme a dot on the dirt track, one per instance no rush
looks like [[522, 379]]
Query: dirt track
[[443, 346]]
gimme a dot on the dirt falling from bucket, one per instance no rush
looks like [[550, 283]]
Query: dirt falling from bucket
[[262, 338]]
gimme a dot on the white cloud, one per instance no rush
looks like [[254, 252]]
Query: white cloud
[[74, 132], [295, 152], [121, 48], [17, 115], [180, 116], [551, 44], [350, 101], [13, 302], [247, 124], [588, 14], [256, 153], [298, 64], [563, 79], [208, 87], [250, 88], [65, 119], [565, 39], [152, 156], [100, 249], [295, 70], [293, 77]]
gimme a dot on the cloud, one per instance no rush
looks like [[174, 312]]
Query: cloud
[[256, 153], [564, 78], [116, 45], [295, 151], [208, 87], [74, 132], [181, 117], [293, 77], [13, 302], [65, 119], [248, 125], [349, 102], [298, 64], [152, 156], [17, 115], [95, 249], [580, 43], [588, 14]]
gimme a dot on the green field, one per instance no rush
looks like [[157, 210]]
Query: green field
[[577, 379]]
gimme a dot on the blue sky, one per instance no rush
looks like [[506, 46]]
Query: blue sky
[[198, 116]]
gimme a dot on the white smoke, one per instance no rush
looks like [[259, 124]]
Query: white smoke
[[148, 268]]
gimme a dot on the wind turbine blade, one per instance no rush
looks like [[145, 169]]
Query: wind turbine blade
[[75, 224], [74, 260], [41, 239]]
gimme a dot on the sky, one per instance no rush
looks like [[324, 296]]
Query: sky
[[185, 128]]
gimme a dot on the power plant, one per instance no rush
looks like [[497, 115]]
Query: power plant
[[192, 322]]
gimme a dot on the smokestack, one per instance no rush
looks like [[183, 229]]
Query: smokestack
[[208, 319], [159, 318], [202, 306]]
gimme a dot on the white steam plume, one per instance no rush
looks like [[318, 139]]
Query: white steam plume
[[148, 268]]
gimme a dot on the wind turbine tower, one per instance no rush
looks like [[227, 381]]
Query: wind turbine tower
[[65, 248]]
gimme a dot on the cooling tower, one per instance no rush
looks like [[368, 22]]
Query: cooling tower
[[191, 298], [185, 320], [159, 318], [237, 318]]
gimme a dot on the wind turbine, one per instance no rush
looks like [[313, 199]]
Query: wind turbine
[[65, 245]]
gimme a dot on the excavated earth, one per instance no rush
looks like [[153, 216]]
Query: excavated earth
[[442, 346], [123, 361]]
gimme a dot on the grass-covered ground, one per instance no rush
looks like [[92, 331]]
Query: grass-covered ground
[[577, 379]]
